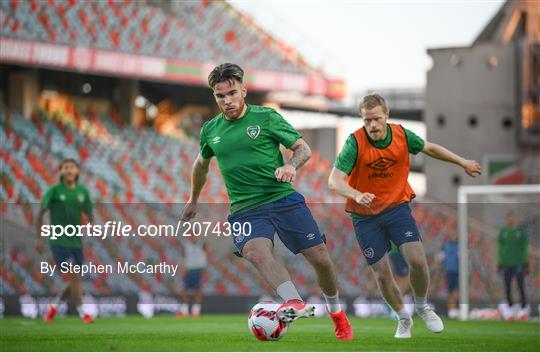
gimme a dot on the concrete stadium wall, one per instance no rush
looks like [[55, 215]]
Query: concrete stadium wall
[[461, 86]]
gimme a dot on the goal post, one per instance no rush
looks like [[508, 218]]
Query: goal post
[[464, 196]]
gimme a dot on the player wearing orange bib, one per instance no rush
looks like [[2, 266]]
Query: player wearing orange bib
[[371, 172]]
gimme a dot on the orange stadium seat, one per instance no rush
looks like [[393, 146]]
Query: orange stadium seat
[[149, 30]]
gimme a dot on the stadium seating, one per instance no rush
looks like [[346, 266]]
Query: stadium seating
[[222, 33]]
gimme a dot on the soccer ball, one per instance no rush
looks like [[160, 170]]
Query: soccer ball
[[264, 324]]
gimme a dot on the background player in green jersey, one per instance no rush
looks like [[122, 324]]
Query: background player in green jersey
[[66, 202], [245, 140], [513, 257]]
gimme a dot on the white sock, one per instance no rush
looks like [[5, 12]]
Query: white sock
[[287, 291], [184, 309], [403, 314], [420, 302], [80, 311], [407, 299], [332, 303], [196, 309]]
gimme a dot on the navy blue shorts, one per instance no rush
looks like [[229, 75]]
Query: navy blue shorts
[[70, 255], [452, 281], [399, 264], [193, 279], [289, 217], [374, 233], [511, 271]]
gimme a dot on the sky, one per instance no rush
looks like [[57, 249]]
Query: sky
[[372, 44]]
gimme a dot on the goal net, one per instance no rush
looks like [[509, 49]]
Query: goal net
[[483, 211]]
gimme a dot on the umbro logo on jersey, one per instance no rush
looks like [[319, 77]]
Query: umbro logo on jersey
[[216, 140], [382, 163], [253, 131], [408, 234], [310, 236]]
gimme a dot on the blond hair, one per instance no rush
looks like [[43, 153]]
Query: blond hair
[[371, 101]]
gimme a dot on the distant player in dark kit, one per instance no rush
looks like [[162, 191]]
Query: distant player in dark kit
[[371, 171], [195, 261], [513, 257], [66, 202], [245, 140], [450, 256]]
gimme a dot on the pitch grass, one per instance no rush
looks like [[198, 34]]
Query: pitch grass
[[230, 333]]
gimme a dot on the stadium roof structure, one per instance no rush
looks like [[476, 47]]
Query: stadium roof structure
[[515, 19], [178, 41]]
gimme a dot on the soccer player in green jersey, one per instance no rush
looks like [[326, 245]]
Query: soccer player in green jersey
[[66, 202], [513, 257], [245, 140]]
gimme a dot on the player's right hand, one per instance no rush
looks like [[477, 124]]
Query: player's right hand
[[189, 211], [364, 199], [39, 246]]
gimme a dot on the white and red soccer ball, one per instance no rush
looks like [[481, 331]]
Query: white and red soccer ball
[[264, 324]]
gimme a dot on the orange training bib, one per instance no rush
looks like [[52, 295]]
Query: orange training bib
[[382, 172]]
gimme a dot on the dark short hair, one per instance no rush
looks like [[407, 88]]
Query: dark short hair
[[225, 72], [69, 160]]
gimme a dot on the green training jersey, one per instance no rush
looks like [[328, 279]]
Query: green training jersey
[[347, 157], [247, 152], [66, 206], [513, 246]]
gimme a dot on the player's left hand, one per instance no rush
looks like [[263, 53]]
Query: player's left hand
[[286, 174], [472, 168]]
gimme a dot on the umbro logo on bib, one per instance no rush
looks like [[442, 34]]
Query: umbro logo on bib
[[382, 163], [253, 131]]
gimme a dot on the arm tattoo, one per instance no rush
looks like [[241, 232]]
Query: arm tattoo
[[301, 155]]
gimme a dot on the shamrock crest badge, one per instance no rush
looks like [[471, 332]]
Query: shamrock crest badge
[[253, 131]]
